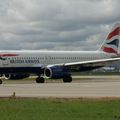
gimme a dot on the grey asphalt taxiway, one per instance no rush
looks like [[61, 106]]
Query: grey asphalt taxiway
[[77, 89]]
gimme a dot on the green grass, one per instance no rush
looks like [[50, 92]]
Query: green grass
[[59, 109]]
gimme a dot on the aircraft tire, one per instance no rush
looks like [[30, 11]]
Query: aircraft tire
[[67, 79], [40, 80]]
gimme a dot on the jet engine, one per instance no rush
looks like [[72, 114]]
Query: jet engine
[[56, 72]]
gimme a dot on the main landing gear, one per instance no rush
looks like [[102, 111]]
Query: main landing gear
[[67, 79], [40, 80], [0, 81]]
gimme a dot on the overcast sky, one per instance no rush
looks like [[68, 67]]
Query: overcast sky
[[56, 24]]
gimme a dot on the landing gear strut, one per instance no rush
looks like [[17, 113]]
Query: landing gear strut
[[67, 79], [0, 81], [40, 80]]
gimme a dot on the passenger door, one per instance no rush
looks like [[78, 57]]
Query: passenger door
[[4, 61]]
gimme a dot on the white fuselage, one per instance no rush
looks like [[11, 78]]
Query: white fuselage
[[44, 58]]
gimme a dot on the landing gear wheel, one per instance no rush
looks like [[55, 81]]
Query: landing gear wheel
[[40, 80], [67, 79], [0, 81]]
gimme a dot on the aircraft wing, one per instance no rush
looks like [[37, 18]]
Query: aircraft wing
[[101, 62]]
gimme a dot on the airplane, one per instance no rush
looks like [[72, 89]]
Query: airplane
[[18, 64]]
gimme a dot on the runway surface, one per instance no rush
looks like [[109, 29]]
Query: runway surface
[[77, 89]]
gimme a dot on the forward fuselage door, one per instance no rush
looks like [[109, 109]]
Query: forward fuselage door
[[4, 61]]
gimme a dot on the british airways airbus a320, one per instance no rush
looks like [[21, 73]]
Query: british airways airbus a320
[[59, 64]]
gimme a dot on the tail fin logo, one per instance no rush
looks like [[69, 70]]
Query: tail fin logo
[[114, 42], [111, 44], [114, 33], [109, 50]]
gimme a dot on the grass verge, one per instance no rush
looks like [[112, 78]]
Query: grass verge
[[59, 109]]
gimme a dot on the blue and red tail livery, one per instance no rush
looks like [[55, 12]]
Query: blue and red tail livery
[[114, 32], [111, 44]]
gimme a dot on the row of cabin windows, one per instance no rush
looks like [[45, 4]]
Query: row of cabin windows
[[42, 58]]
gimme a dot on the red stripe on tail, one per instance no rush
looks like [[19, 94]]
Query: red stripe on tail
[[114, 33], [109, 50]]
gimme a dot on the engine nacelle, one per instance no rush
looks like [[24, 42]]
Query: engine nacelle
[[56, 72], [16, 76]]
